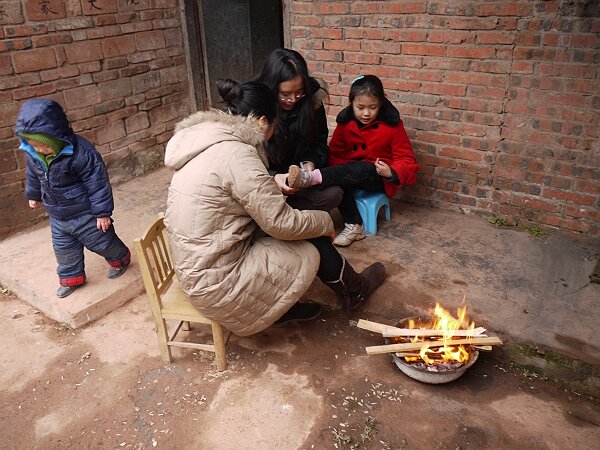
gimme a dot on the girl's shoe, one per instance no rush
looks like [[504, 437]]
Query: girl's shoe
[[298, 178], [352, 232]]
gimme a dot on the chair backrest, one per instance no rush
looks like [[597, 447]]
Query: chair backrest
[[155, 262]]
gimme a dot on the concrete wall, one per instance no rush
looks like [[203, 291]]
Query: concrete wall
[[116, 66], [501, 99]]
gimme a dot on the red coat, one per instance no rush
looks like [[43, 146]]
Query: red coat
[[384, 138]]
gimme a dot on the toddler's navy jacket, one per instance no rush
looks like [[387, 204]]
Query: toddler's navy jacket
[[76, 181]]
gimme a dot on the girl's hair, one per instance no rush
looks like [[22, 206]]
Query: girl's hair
[[282, 65], [367, 85], [248, 98]]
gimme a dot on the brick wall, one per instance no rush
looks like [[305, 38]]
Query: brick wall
[[116, 66], [501, 99]]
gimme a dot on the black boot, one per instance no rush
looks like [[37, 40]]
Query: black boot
[[300, 312], [354, 288]]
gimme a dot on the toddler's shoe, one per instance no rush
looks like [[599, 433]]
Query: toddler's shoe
[[116, 272], [298, 178], [352, 232], [64, 291]]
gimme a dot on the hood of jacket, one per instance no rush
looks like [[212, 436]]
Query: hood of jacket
[[201, 130], [47, 117], [388, 114]]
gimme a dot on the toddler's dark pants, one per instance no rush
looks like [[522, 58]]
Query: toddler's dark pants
[[69, 237]]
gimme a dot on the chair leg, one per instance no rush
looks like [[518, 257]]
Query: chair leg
[[163, 339], [186, 326], [219, 342], [387, 212]]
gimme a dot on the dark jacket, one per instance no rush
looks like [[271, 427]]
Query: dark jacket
[[384, 138], [76, 180], [290, 145]]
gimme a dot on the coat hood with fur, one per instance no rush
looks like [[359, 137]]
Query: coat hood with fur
[[216, 126]]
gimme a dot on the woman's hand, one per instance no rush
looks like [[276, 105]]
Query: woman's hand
[[280, 179], [103, 223], [383, 170], [34, 204]]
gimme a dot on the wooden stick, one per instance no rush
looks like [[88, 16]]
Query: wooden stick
[[373, 326], [410, 346], [408, 355], [399, 332], [487, 348]]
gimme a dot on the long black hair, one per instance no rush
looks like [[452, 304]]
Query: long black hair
[[248, 98], [284, 65]]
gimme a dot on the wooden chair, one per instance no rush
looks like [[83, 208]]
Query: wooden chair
[[167, 300]]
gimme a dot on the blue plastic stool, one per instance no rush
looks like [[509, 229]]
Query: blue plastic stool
[[369, 204]]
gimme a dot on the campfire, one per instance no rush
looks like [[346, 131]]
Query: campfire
[[435, 350]]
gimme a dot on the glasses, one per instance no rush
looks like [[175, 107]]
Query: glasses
[[291, 97]]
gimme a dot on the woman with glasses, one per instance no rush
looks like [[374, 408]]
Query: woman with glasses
[[301, 133]]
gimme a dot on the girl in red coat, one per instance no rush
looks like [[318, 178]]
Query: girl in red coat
[[369, 150]]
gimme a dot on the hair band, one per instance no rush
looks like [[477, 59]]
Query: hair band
[[360, 77]]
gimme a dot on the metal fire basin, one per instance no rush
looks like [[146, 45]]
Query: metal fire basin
[[433, 377], [430, 376]]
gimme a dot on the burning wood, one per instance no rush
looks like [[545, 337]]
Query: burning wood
[[443, 341], [393, 348]]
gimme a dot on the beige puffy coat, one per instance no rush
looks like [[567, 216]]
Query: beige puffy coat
[[221, 195]]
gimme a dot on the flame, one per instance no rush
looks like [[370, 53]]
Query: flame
[[446, 322]]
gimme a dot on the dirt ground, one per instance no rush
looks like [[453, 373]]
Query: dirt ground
[[309, 386]]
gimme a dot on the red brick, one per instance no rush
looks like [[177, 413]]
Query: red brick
[[164, 114], [468, 23], [25, 30], [570, 197], [137, 122], [5, 65], [137, 27], [424, 49], [84, 51], [43, 11], [34, 60], [587, 213], [118, 46], [118, 88], [495, 37], [301, 8], [81, 97], [377, 47], [152, 14], [590, 41], [8, 114], [331, 8], [51, 39], [403, 7], [450, 36], [102, 32], [444, 89], [360, 33], [103, 7], [109, 133], [326, 33], [473, 52], [33, 91]]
